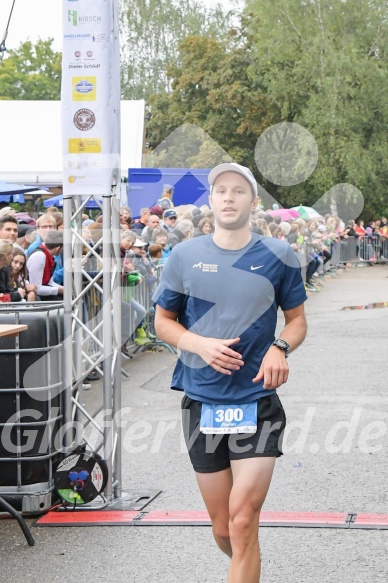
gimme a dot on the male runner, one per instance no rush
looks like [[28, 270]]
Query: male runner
[[217, 302]]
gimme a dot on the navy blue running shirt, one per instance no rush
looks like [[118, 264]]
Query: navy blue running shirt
[[219, 293]]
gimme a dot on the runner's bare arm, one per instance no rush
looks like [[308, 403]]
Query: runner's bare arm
[[214, 351], [295, 329], [274, 367]]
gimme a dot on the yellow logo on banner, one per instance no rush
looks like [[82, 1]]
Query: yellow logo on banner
[[84, 145], [84, 88]]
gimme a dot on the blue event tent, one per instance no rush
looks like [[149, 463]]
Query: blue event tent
[[58, 201], [146, 186], [10, 192]]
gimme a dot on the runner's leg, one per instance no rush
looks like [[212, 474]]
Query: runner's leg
[[215, 489], [251, 480]]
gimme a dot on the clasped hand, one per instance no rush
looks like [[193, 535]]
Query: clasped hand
[[218, 354]]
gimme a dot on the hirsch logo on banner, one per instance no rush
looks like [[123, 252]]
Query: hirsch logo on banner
[[84, 119], [72, 16], [84, 145], [84, 89], [89, 19]]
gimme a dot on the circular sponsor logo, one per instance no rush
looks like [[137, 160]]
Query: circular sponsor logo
[[77, 54], [84, 119], [72, 179], [89, 54]]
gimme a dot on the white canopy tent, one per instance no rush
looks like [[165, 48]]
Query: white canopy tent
[[32, 146]]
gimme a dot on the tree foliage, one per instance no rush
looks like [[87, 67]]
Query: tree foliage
[[31, 72], [323, 64], [319, 63], [150, 34], [211, 89]]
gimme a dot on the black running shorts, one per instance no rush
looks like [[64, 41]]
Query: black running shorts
[[212, 453]]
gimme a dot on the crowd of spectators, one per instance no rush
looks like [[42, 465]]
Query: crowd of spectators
[[31, 257]]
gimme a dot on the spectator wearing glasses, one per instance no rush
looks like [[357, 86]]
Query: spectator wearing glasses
[[44, 225], [169, 220]]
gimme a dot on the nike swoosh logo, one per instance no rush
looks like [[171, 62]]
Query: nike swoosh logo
[[258, 267]]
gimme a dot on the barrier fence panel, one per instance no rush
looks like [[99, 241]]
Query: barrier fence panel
[[137, 301], [373, 249], [335, 250], [349, 250]]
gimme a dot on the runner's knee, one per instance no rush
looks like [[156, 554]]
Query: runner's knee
[[243, 526], [221, 532]]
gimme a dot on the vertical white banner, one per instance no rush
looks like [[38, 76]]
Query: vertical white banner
[[90, 96]]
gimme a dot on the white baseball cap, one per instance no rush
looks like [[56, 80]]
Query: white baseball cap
[[233, 167], [139, 243]]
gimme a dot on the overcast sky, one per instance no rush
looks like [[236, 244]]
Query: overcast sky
[[32, 19]]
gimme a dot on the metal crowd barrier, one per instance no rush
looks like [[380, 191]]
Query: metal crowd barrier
[[349, 250], [373, 249], [137, 311], [335, 250], [141, 310]]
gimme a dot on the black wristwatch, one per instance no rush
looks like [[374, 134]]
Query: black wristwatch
[[283, 345]]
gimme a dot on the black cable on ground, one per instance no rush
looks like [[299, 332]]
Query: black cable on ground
[[22, 524]]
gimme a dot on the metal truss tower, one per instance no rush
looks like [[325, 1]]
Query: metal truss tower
[[102, 332]]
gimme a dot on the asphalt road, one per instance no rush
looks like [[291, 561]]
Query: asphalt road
[[335, 460]]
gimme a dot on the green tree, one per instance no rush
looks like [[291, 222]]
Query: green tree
[[31, 72], [323, 64], [210, 88], [150, 34], [318, 63]]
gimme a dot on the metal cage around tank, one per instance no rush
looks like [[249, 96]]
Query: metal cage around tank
[[32, 404]]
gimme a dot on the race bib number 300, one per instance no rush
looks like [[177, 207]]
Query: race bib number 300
[[229, 418]]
